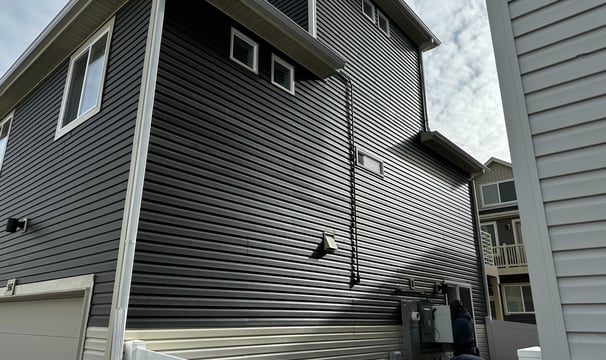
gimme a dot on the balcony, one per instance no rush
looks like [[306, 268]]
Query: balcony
[[503, 259]]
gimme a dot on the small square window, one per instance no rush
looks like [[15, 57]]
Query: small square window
[[369, 162], [383, 22], [244, 51], [282, 74], [368, 9], [5, 127], [84, 86]]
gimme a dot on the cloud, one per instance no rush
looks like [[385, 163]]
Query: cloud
[[20, 23], [464, 102]]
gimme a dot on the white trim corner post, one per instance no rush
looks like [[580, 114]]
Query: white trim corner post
[[134, 192]]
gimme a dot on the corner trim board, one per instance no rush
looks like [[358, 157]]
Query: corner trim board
[[552, 330], [134, 192]]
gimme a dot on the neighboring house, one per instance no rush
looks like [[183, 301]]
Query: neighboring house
[[182, 166], [504, 254], [552, 71]]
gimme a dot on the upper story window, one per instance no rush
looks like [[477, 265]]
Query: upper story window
[[368, 9], [84, 86], [518, 298], [5, 127], [282, 74], [499, 193], [369, 162], [244, 51], [376, 16], [383, 22]]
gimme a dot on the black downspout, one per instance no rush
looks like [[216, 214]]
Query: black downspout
[[353, 225]]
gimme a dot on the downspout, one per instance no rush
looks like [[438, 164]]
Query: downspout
[[134, 192], [423, 92], [477, 234], [353, 227]]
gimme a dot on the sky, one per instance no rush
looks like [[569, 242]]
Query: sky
[[464, 102]]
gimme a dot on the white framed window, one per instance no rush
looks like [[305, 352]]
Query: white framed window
[[244, 51], [517, 231], [383, 22], [5, 128], [518, 298], [369, 162], [491, 228], [368, 8], [502, 192], [282, 74], [460, 291], [84, 85]]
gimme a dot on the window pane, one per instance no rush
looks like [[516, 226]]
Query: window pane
[[518, 229], [4, 129], [528, 304], [3, 142], [489, 228], [508, 191], [490, 194], [94, 74], [370, 163], [282, 75], [243, 52], [75, 89], [368, 9], [514, 299], [383, 23]]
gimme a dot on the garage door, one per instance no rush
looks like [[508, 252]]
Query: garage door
[[41, 328]]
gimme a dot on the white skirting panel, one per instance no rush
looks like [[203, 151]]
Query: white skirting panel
[[94, 344], [325, 342]]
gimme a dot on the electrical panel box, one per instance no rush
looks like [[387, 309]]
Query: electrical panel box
[[442, 324], [425, 309]]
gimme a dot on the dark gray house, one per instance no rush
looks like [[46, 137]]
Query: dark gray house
[[228, 179]]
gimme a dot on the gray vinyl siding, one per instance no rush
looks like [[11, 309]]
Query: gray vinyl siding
[[294, 9], [561, 53], [72, 189], [498, 172], [243, 178]]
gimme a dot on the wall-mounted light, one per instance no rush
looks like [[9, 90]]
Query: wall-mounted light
[[14, 224], [330, 242]]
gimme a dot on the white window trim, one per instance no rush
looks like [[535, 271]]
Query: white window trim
[[504, 293], [276, 59], [249, 41], [515, 233], [371, 155], [496, 230], [10, 118], [62, 130], [458, 286], [374, 10], [498, 193], [379, 15]]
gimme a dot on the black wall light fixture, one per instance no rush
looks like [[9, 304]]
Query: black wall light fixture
[[14, 224]]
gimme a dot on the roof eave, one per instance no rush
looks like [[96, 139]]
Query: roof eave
[[410, 23], [451, 152], [269, 23]]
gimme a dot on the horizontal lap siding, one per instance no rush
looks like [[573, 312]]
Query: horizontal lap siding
[[562, 61], [294, 9], [243, 178], [73, 188]]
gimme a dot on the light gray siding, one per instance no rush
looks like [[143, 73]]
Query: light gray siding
[[560, 59], [498, 172]]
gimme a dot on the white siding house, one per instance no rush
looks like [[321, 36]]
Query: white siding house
[[551, 60]]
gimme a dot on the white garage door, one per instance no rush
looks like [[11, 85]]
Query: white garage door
[[41, 328]]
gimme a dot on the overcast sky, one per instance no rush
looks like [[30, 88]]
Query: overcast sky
[[461, 82]]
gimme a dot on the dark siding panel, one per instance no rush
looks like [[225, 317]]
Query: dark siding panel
[[73, 189], [294, 9], [242, 180]]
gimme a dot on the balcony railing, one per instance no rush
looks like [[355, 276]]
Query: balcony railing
[[506, 256], [487, 248]]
